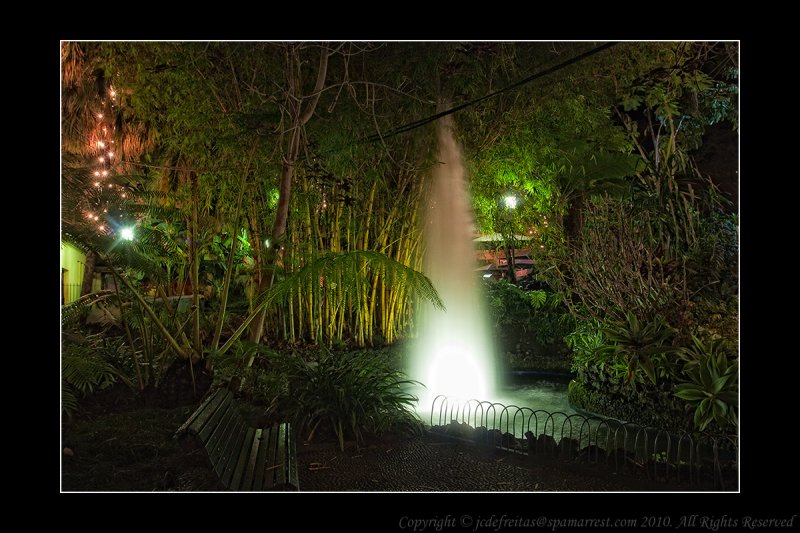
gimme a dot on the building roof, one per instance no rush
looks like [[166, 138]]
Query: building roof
[[497, 237]]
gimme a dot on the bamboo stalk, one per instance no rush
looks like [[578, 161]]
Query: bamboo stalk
[[130, 337], [150, 312], [223, 304]]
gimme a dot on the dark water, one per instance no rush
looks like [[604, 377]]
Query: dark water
[[545, 393]]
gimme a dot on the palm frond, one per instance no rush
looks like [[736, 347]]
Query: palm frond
[[86, 372]]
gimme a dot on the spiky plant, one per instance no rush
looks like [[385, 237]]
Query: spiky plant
[[354, 394]]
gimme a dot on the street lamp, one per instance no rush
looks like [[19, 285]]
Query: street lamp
[[510, 202]]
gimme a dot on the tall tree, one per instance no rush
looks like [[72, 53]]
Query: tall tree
[[299, 107]]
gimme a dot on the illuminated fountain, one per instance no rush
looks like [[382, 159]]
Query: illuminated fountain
[[453, 355]]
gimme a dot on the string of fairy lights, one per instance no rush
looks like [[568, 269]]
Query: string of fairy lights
[[103, 147]]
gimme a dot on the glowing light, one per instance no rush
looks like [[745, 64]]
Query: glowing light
[[97, 173], [101, 228], [511, 202], [101, 159], [110, 185], [487, 275], [127, 234], [110, 155], [95, 217], [122, 195], [113, 93], [101, 144], [456, 373], [96, 183], [105, 173], [100, 116]]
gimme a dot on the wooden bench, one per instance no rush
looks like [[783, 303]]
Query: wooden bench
[[244, 458]]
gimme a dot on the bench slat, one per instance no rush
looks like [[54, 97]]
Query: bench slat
[[280, 457], [250, 468], [219, 438], [245, 450], [227, 448], [197, 411], [200, 422], [269, 470], [258, 480], [291, 458], [214, 421], [232, 453]]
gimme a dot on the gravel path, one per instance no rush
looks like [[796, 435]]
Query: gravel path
[[431, 463]]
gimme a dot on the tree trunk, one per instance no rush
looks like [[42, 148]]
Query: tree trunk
[[573, 222], [299, 118], [88, 273]]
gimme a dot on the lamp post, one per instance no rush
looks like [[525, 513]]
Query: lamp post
[[510, 202]]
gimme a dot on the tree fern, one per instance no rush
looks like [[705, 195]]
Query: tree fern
[[351, 268]]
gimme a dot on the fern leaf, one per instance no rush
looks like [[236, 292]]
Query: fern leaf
[[72, 312]]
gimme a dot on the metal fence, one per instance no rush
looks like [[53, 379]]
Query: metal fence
[[703, 461]]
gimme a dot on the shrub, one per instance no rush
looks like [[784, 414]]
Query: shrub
[[355, 394], [538, 316]]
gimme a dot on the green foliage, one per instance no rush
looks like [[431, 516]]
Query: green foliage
[[83, 371], [536, 298], [253, 371], [354, 394], [587, 344], [86, 371], [576, 395], [69, 401], [538, 311], [601, 389], [713, 258], [592, 170], [701, 350], [712, 383], [639, 344], [345, 271]]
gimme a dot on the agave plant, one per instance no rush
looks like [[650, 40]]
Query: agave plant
[[712, 386], [639, 343]]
